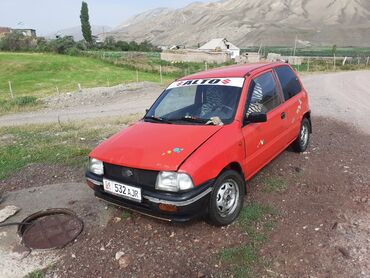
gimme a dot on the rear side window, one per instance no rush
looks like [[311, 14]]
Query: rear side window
[[263, 94], [289, 81]]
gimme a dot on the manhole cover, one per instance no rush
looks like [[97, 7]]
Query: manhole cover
[[53, 228]]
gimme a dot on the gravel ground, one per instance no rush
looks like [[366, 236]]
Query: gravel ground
[[323, 227]]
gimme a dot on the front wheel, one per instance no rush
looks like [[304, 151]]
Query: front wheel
[[227, 198], [301, 143]]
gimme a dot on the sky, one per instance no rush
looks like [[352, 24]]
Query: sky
[[49, 16]]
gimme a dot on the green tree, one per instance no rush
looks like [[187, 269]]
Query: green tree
[[85, 23], [334, 49]]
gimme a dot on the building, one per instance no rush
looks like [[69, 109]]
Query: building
[[25, 32], [194, 55], [248, 57], [221, 45], [4, 31]]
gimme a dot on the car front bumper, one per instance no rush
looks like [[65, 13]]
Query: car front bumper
[[189, 205]]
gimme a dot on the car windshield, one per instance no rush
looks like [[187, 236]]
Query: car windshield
[[205, 101]]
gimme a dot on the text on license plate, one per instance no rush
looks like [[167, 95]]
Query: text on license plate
[[126, 191]]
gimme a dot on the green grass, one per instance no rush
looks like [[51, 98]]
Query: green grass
[[151, 62], [53, 144], [125, 214], [39, 273], [274, 184], [256, 221], [22, 103], [37, 74]]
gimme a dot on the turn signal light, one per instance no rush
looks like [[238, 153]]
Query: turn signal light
[[90, 184], [167, 208]]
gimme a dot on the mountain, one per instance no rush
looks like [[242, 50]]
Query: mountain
[[77, 33], [251, 22]]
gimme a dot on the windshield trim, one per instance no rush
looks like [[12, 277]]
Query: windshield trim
[[225, 122]]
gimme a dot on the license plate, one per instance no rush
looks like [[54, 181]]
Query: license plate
[[122, 190]]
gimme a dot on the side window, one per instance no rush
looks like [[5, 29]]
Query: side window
[[263, 95], [289, 81]]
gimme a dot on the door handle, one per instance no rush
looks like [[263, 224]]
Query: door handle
[[282, 115]]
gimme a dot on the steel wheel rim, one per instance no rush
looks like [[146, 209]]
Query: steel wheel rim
[[304, 135], [227, 198]]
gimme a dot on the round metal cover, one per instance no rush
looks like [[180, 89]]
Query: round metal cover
[[53, 228]]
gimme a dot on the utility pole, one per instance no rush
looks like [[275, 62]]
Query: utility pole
[[295, 45]]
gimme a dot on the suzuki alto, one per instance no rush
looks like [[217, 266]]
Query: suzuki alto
[[206, 135]]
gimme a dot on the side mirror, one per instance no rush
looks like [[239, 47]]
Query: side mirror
[[255, 118]]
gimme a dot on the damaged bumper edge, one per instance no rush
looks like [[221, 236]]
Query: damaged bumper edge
[[189, 205]]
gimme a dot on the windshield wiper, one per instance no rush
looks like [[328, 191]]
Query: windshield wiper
[[157, 120], [189, 119]]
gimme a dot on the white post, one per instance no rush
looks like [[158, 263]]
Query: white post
[[295, 46], [308, 64], [334, 62], [57, 89], [137, 76], [367, 61], [79, 87], [344, 61], [205, 66], [358, 60], [160, 73], [11, 89]]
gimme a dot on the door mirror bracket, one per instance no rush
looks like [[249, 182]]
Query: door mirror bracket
[[255, 117]]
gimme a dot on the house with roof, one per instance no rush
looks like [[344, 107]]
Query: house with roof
[[4, 31], [25, 32], [222, 45]]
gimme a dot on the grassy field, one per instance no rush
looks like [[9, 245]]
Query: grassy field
[[151, 62], [315, 51], [38, 75], [67, 144]]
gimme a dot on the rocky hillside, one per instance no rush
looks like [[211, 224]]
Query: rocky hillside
[[246, 23]]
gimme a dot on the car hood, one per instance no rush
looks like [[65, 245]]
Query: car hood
[[153, 146]]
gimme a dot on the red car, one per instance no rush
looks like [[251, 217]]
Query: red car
[[202, 139]]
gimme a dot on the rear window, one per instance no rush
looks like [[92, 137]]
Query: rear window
[[289, 81]]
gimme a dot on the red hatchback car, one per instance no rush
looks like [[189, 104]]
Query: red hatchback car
[[201, 140]]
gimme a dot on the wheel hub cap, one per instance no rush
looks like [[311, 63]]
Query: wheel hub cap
[[227, 198]]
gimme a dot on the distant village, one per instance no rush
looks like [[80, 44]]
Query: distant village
[[215, 51], [219, 51]]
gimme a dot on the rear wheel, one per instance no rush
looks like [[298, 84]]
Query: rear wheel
[[226, 198], [302, 141]]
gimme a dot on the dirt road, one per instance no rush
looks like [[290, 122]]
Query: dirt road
[[90, 104], [344, 96]]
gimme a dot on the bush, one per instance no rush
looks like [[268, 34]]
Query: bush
[[14, 104], [25, 100], [74, 51]]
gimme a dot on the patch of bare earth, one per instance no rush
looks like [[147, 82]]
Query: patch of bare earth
[[38, 174], [322, 229]]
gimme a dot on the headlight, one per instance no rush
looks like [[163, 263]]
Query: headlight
[[173, 181], [96, 166]]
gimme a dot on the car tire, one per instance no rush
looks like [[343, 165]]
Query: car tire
[[226, 199], [301, 143]]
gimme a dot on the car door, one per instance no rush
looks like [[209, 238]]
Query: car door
[[263, 140], [293, 95]]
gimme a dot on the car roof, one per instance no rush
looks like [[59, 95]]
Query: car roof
[[232, 71]]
